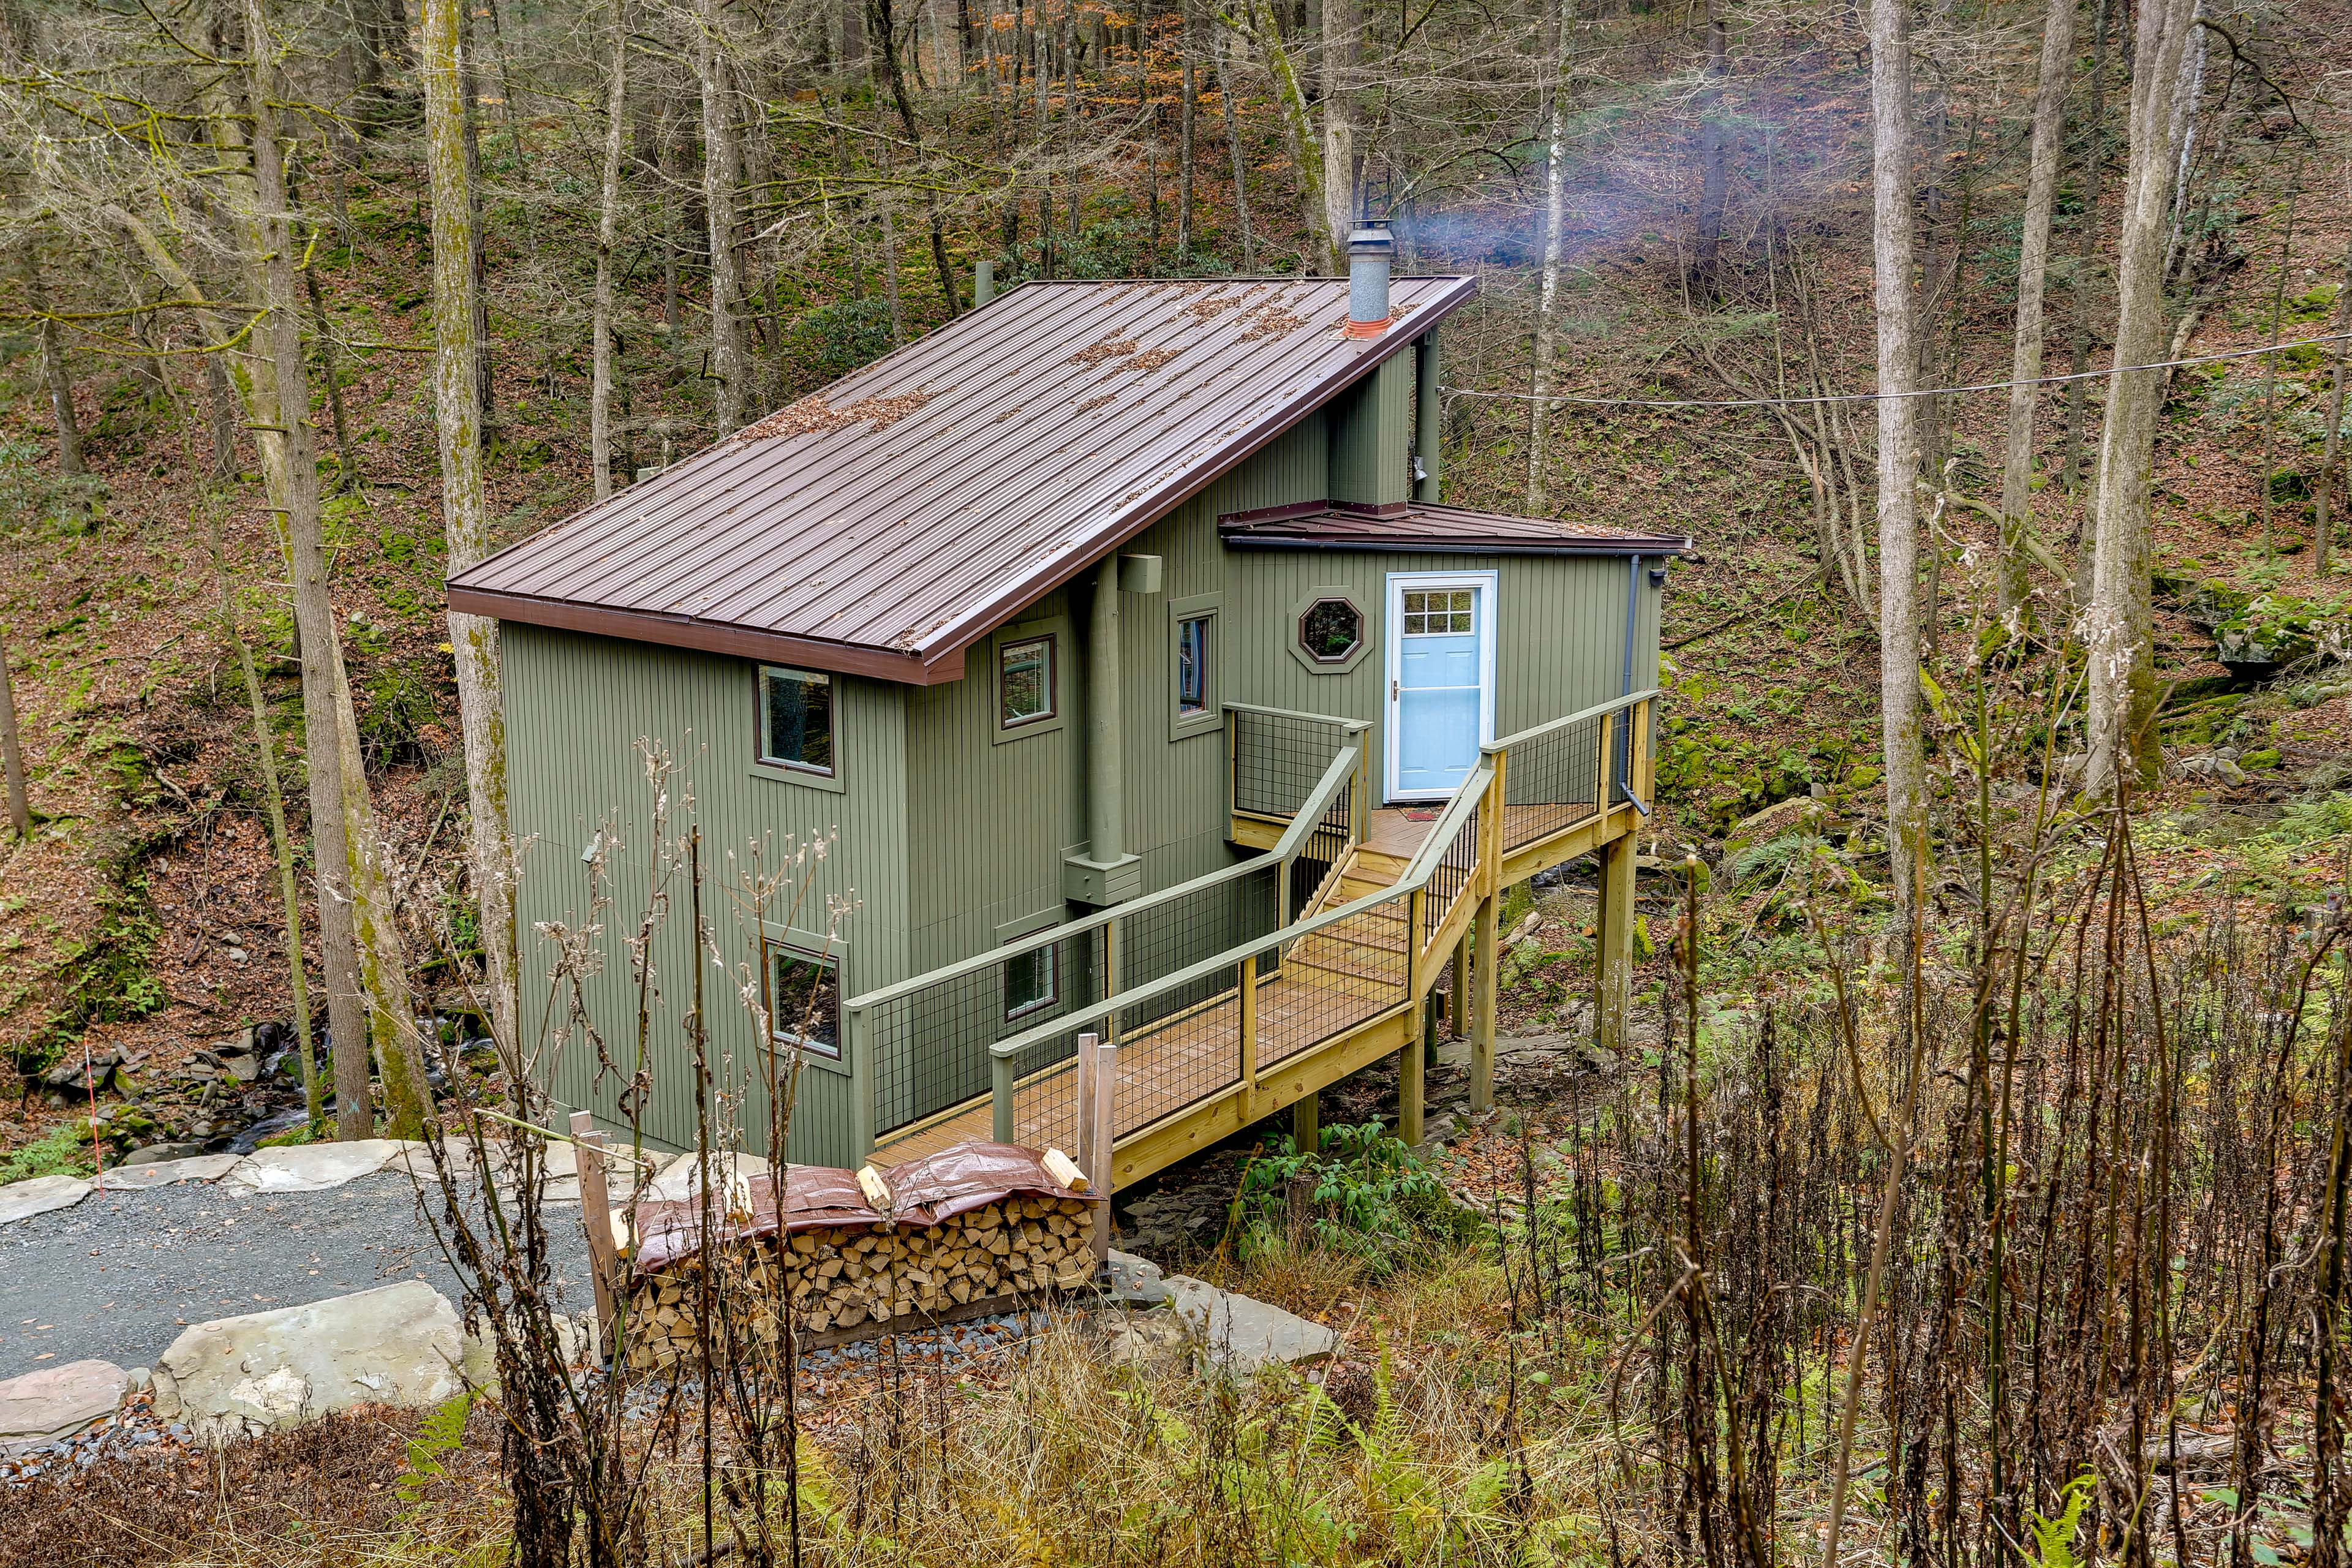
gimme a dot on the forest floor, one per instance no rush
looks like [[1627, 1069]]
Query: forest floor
[[144, 915]]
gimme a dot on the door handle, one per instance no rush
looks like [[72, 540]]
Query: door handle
[[1395, 690]]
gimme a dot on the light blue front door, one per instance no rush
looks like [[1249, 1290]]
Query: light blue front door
[[1440, 701]]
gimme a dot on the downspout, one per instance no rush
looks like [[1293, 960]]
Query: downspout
[[1625, 725], [1427, 420], [1105, 781]]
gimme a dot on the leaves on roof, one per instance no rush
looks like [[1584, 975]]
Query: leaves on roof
[[1091, 404], [1108, 348], [1273, 321], [1149, 359], [813, 416], [1210, 307]]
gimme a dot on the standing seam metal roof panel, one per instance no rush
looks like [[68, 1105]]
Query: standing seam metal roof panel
[[887, 523]]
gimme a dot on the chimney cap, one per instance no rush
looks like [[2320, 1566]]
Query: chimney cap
[[1372, 238]]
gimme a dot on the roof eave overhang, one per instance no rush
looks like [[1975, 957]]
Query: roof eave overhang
[[707, 637], [1642, 547], [1150, 508]]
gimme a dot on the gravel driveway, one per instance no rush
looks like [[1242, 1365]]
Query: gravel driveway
[[118, 1275]]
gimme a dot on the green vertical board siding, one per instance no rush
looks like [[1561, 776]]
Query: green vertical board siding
[[950, 833], [1371, 437], [576, 708], [1560, 621]]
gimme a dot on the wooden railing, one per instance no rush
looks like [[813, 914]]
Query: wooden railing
[[1528, 788]]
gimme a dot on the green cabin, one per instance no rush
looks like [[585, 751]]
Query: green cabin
[[1115, 639]]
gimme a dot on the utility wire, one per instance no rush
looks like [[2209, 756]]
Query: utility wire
[[1874, 396]]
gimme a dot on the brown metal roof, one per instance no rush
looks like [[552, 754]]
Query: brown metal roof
[[1417, 526], [883, 525]]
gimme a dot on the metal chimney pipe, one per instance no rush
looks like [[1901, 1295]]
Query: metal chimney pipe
[[1369, 249]]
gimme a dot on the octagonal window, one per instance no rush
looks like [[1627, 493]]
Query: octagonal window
[[1331, 631]]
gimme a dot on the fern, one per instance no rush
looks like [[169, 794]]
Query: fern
[[2053, 1538], [442, 1434]]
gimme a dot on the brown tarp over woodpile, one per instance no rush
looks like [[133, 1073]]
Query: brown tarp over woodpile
[[924, 1191]]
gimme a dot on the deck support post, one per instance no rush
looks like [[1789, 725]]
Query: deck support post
[[1001, 1072], [1457, 999], [1483, 987], [1247, 1065], [596, 1215], [1613, 928], [1098, 1089], [1307, 1122], [1409, 1081]]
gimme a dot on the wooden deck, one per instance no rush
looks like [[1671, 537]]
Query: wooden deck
[[1342, 998], [1328, 984]]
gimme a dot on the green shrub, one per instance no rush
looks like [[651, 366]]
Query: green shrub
[[64, 1152], [1370, 1194]]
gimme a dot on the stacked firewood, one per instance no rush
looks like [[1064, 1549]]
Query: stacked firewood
[[845, 1276]]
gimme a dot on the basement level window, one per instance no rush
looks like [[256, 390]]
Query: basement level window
[[1024, 682], [796, 719], [1030, 983], [1331, 631], [804, 1003]]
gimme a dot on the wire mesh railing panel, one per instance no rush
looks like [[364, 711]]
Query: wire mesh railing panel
[[931, 1045], [1182, 1044], [1336, 978], [1278, 758], [1550, 782], [1451, 876], [1326, 847]]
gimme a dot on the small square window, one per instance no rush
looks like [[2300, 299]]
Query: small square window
[[1024, 682], [1192, 665], [796, 719], [805, 1001], [1439, 611], [1031, 982]]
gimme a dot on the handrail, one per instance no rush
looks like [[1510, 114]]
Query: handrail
[[1466, 800], [1416, 877], [1206, 967], [1595, 711], [1342, 767], [1351, 726]]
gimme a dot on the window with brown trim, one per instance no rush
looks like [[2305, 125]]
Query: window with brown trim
[[796, 719], [1024, 682], [805, 1001]]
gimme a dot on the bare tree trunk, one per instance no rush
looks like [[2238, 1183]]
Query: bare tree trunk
[[1298, 124], [477, 231], [296, 476], [1342, 49], [1547, 345], [721, 178], [347, 471], [220, 408], [2322, 544], [2120, 630], [2086, 231], [54, 374], [2270, 374], [1898, 502], [1712, 180], [600, 393], [281, 843], [1187, 113], [949, 294], [11, 754], [1234, 145], [474, 639], [2032, 268]]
